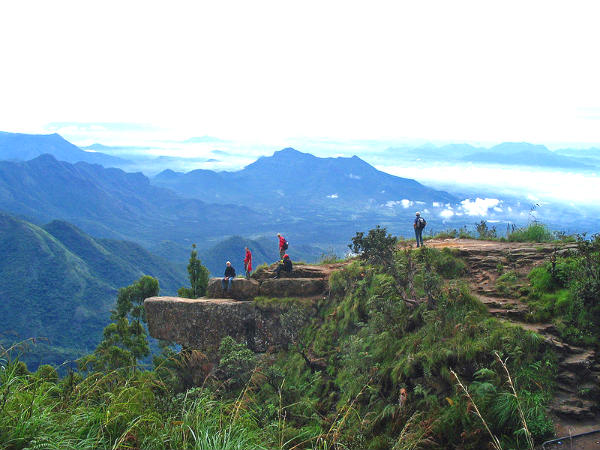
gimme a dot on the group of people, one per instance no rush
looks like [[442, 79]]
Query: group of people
[[285, 265]]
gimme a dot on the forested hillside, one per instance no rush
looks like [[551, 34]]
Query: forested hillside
[[58, 284]]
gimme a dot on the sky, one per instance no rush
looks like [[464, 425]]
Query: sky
[[271, 73]]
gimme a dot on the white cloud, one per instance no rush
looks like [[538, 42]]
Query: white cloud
[[354, 177], [333, 196], [437, 204], [554, 184], [406, 203], [446, 214], [479, 206]]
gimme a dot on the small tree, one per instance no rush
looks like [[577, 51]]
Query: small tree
[[377, 247], [124, 341], [237, 361], [130, 301], [198, 277]]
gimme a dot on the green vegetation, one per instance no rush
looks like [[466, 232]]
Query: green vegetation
[[58, 285], [198, 277], [400, 356], [125, 340], [566, 290], [533, 232]]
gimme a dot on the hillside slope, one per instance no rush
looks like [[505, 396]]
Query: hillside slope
[[112, 203], [362, 335], [58, 284]]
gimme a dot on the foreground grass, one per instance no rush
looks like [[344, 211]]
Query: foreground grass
[[116, 410]]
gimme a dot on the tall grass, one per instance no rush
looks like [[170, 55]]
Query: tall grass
[[115, 410], [534, 232]]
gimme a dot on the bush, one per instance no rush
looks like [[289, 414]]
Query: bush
[[47, 373], [485, 232], [237, 361], [534, 232], [377, 247], [447, 264]]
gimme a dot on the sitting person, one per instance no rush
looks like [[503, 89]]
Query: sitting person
[[285, 265], [229, 276]]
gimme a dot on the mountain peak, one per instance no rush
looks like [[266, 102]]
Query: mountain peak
[[289, 151], [517, 147]]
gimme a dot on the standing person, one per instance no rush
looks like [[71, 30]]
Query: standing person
[[248, 263], [229, 276], [283, 245], [285, 265], [418, 226]]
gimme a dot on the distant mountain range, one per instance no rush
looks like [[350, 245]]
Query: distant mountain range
[[58, 284], [290, 192], [507, 153], [23, 147], [112, 203], [291, 180]]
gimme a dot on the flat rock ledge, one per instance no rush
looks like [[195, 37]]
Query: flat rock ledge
[[202, 323], [242, 289]]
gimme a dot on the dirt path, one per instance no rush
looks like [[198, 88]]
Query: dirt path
[[579, 371]]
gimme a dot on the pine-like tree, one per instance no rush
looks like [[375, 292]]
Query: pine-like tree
[[198, 277]]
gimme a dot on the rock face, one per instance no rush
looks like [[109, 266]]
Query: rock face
[[241, 289], [299, 271], [202, 323], [292, 287], [262, 324]]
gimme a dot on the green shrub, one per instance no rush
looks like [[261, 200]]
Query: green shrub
[[447, 264], [534, 232], [237, 361], [377, 247], [47, 373], [506, 283]]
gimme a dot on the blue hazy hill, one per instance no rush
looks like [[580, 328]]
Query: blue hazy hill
[[292, 180], [23, 147]]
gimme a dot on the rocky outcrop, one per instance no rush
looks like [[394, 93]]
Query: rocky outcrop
[[241, 289], [270, 322], [203, 323], [300, 271], [293, 287]]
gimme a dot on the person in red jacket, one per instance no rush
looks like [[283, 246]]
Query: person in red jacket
[[248, 263], [283, 245]]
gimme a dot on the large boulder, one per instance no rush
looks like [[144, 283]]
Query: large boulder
[[293, 287], [241, 289], [299, 271], [202, 323]]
